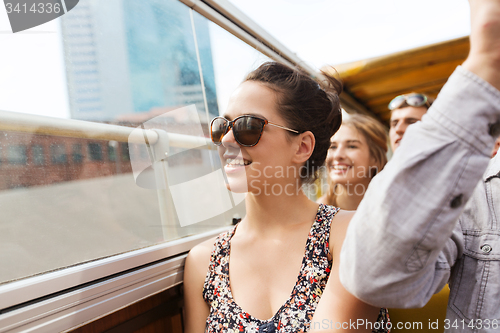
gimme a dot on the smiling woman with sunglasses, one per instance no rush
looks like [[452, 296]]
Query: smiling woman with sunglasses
[[270, 273]]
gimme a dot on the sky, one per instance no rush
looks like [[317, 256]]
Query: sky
[[32, 79], [320, 32], [332, 32]]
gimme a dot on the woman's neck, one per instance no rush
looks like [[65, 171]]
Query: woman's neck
[[270, 213], [349, 196]]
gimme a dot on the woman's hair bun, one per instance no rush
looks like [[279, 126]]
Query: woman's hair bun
[[306, 105]]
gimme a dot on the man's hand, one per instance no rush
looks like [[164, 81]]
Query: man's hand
[[484, 56]]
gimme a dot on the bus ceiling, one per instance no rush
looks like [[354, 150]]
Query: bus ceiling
[[372, 83]]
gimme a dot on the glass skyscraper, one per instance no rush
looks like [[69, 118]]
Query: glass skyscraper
[[132, 56]]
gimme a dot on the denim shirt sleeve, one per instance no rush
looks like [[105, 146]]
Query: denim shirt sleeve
[[404, 237]]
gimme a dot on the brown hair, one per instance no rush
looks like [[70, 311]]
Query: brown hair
[[305, 105], [376, 139]]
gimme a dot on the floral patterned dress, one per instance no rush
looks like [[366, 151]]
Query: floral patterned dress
[[297, 312]]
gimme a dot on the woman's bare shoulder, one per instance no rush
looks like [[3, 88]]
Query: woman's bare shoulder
[[195, 271], [201, 253], [342, 218], [196, 266], [339, 226]]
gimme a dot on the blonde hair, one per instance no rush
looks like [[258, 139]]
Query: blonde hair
[[376, 139]]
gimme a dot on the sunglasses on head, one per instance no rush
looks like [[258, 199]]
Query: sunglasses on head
[[415, 100], [247, 129]]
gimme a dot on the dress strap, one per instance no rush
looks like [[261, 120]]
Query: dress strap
[[320, 231], [217, 270]]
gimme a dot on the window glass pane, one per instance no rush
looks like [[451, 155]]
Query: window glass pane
[[69, 197], [124, 152]]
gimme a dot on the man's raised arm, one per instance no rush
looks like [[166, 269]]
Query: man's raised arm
[[403, 239]]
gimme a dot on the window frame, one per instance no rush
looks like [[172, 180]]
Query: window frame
[[69, 297], [38, 159]]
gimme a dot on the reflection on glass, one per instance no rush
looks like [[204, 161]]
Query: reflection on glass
[[125, 154], [143, 62], [16, 154], [95, 151], [38, 154], [58, 153], [66, 200], [112, 151], [77, 154]]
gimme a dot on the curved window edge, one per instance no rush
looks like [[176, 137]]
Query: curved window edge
[[68, 298]]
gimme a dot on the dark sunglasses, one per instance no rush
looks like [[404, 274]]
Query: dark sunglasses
[[415, 100], [247, 129]]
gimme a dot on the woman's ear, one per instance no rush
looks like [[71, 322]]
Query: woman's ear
[[305, 148]]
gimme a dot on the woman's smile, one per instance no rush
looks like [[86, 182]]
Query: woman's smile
[[340, 168], [235, 164]]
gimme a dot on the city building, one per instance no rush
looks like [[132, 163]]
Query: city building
[[130, 56]]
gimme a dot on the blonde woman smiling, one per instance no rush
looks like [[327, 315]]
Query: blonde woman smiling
[[357, 153]]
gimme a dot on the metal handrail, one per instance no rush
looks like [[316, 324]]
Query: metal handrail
[[220, 12], [44, 125]]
